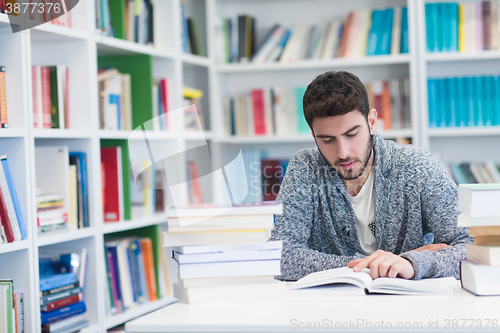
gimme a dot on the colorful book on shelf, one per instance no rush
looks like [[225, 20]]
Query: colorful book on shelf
[[55, 281], [7, 324], [111, 159], [79, 159], [4, 123], [8, 187], [62, 313]]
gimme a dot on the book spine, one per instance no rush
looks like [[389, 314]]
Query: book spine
[[61, 303], [65, 312], [55, 281], [3, 99], [59, 289]]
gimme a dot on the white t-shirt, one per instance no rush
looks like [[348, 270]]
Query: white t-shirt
[[364, 211]]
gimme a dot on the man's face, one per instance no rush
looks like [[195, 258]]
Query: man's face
[[346, 142]]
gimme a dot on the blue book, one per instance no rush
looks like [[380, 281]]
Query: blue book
[[185, 37], [444, 33], [115, 99], [371, 48], [404, 31], [55, 281], [478, 101], [496, 101], [488, 111], [436, 27], [80, 160], [133, 277], [303, 127], [429, 27], [386, 32], [452, 105], [462, 109], [432, 88], [469, 89], [114, 256], [453, 12], [65, 312], [15, 198], [135, 251], [442, 107]]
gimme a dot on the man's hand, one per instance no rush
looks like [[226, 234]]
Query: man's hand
[[384, 264], [432, 247]]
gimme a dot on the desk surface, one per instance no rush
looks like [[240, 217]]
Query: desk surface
[[385, 313]]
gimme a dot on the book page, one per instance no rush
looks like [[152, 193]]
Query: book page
[[336, 275], [413, 287]]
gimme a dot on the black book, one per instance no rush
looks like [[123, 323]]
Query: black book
[[59, 289], [466, 169], [241, 36], [192, 40]]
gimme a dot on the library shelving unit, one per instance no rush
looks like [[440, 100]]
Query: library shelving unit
[[471, 144]]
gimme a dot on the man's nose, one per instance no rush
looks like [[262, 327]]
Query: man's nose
[[342, 149]]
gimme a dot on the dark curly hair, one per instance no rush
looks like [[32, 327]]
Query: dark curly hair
[[334, 94]]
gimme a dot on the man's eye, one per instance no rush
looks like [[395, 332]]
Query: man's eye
[[353, 134], [327, 141]]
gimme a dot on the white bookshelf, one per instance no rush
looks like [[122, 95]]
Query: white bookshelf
[[454, 144], [79, 48]]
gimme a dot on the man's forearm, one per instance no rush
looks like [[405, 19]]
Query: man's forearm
[[298, 262]]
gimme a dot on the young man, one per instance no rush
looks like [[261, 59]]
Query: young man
[[360, 201]]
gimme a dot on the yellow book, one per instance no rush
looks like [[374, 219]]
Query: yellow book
[[192, 93], [461, 28], [73, 198]]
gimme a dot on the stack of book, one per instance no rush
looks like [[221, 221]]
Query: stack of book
[[12, 224], [3, 99], [464, 101], [62, 281], [223, 253], [51, 214], [115, 102], [464, 27], [481, 213], [136, 273], [50, 96], [193, 113], [11, 307], [361, 33]]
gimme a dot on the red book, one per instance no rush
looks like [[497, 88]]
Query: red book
[[259, 113], [386, 105], [270, 179], [47, 115], [4, 216], [345, 35], [2, 6], [35, 104], [111, 159], [195, 183], [164, 100], [3, 98], [60, 303]]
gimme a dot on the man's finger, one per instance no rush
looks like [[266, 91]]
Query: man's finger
[[375, 264], [366, 261], [394, 271], [385, 266], [352, 263]]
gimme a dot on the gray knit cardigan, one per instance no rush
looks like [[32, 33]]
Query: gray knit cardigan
[[414, 196]]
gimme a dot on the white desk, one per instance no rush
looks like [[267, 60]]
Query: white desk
[[331, 314]]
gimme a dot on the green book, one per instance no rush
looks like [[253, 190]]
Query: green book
[[10, 303], [54, 97], [117, 13], [125, 171], [302, 126]]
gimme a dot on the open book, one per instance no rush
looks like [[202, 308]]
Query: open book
[[364, 281]]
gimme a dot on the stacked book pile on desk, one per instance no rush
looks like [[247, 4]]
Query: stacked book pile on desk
[[223, 252], [481, 213]]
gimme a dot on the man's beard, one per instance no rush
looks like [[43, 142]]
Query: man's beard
[[349, 174]]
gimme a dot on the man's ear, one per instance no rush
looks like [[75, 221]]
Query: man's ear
[[372, 121]]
